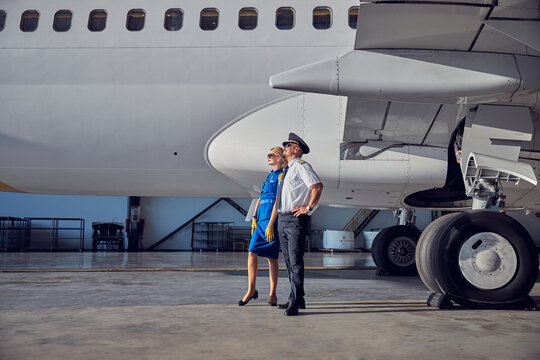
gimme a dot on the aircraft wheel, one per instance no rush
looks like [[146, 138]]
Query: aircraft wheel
[[479, 257], [394, 248], [424, 263]]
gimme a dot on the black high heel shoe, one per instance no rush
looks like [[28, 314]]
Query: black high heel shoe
[[272, 303], [254, 296]]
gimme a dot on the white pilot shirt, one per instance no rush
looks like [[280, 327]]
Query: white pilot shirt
[[296, 185]]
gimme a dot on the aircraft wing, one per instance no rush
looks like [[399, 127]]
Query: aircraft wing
[[494, 26], [417, 65], [502, 26]]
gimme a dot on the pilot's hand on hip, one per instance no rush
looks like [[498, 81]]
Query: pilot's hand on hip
[[300, 210], [269, 233]]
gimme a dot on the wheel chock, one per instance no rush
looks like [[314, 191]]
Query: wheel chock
[[441, 301]]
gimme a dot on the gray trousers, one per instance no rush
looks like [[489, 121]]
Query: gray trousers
[[292, 235]]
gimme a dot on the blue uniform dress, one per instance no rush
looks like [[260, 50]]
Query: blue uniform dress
[[258, 243]]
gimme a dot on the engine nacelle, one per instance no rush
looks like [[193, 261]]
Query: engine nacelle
[[424, 76]]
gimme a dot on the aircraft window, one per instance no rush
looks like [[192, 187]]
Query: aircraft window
[[62, 20], [29, 20], [285, 18], [97, 20], [209, 19], [247, 18], [2, 19], [353, 17], [322, 18], [135, 20], [174, 19]]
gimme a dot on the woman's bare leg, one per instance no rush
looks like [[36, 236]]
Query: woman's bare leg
[[253, 265], [274, 269]]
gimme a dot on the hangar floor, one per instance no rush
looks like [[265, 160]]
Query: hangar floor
[[184, 260], [149, 306]]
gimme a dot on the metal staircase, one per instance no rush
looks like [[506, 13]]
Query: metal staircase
[[360, 220], [184, 225]]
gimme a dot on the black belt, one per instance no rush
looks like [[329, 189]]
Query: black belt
[[290, 213]]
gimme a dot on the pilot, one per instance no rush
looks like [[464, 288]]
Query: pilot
[[299, 191]]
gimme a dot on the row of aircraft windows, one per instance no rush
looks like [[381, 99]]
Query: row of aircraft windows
[[247, 19]]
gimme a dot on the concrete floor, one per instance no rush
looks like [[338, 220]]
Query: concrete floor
[[149, 306], [184, 260]]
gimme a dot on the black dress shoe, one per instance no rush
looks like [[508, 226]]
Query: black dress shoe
[[254, 296], [286, 305], [292, 310]]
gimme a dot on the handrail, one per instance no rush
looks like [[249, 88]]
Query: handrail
[[184, 225], [360, 220], [356, 219]]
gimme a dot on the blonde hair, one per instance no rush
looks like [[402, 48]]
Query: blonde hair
[[278, 150]]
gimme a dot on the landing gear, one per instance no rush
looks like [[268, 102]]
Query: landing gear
[[483, 258], [478, 258], [393, 250]]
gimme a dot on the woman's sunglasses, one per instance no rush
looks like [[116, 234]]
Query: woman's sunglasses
[[270, 155]]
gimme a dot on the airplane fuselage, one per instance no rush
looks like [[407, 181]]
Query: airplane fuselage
[[130, 112], [190, 112]]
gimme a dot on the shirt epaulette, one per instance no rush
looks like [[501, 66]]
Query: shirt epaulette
[[301, 162]]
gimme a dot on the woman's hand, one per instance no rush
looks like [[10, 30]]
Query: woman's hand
[[253, 224], [269, 233]]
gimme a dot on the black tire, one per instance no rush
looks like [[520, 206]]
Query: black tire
[[424, 262], [447, 243], [393, 250]]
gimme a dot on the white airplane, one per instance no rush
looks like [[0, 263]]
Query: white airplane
[[409, 104]]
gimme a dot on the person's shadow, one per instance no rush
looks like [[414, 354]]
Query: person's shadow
[[370, 307]]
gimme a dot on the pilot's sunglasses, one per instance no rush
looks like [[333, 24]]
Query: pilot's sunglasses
[[287, 145], [270, 155]]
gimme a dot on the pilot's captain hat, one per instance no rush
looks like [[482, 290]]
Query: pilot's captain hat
[[295, 139]]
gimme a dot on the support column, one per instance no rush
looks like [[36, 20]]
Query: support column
[[134, 225], [405, 216]]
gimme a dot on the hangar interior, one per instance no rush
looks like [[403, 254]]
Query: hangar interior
[[151, 304], [173, 223]]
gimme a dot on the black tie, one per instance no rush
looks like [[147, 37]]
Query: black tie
[[278, 197]]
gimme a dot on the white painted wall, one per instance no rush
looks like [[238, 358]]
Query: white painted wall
[[164, 214], [332, 218]]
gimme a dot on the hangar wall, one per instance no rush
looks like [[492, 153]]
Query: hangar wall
[[164, 214], [89, 208]]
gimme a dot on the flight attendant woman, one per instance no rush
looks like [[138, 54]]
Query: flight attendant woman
[[259, 244]]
